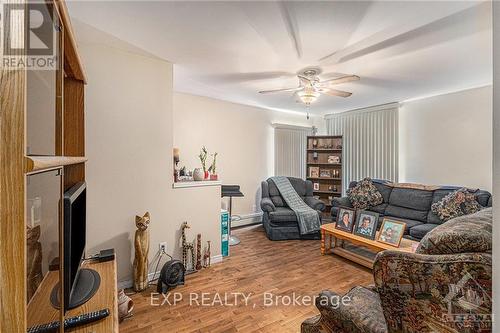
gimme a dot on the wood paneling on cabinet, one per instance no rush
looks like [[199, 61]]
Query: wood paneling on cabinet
[[12, 184]]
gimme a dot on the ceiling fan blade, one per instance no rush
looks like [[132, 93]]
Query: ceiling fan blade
[[304, 80], [344, 79], [280, 90], [334, 92]]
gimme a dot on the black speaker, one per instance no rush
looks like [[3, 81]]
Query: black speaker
[[171, 276]]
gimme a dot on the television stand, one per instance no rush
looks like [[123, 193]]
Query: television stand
[[86, 285], [105, 297]]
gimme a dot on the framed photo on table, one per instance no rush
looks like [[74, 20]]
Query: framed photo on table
[[391, 232], [345, 219], [366, 224]]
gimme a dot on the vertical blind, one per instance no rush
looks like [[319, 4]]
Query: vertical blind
[[290, 145], [370, 142]]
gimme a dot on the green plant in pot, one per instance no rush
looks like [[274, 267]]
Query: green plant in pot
[[203, 159], [211, 170]]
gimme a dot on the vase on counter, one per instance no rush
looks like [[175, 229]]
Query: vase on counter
[[206, 175], [198, 174]]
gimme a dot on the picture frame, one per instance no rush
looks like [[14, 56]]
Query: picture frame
[[391, 232], [314, 172], [316, 186], [366, 224], [325, 173], [345, 219]]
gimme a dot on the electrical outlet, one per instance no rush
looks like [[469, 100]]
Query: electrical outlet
[[163, 247]]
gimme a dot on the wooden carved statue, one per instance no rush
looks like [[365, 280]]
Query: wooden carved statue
[[141, 243], [186, 247], [206, 256], [34, 275], [198, 252]]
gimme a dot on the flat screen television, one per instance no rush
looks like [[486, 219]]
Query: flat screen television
[[80, 284]]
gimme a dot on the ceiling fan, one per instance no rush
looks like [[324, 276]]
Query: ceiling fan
[[311, 87]]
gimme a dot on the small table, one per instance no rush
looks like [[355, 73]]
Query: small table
[[333, 240]]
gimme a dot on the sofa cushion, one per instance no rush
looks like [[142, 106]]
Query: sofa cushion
[[411, 198], [278, 201], [406, 213], [384, 188], [458, 203], [282, 214], [364, 195], [469, 233], [409, 223], [419, 231], [379, 208]]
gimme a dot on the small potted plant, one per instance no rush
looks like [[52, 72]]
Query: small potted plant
[[203, 158], [213, 172]]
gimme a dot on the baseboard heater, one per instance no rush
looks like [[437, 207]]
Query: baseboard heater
[[246, 219]]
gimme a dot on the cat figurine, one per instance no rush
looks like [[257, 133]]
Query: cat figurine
[[141, 243]]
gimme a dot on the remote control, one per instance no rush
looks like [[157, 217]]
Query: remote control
[[86, 318], [45, 328], [72, 322]]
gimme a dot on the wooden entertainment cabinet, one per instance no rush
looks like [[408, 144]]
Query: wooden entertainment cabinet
[[42, 154]]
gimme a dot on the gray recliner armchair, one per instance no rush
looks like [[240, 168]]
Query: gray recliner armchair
[[280, 222]]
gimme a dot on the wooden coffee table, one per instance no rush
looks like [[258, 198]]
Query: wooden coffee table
[[333, 240]]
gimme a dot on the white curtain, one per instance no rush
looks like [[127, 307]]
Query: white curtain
[[290, 145], [370, 142]]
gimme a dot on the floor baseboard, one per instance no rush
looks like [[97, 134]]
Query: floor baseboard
[[130, 282]]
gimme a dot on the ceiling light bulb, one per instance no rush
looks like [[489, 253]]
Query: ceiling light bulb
[[308, 96]]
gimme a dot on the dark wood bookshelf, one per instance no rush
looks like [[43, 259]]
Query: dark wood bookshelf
[[326, 150], [327, 192], [324, 168], [323, 178]]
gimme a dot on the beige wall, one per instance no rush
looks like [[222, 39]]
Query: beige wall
[[242, 135], [447, 139], [129, 146]]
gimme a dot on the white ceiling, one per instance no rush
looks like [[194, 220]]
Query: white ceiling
[[231, 50]]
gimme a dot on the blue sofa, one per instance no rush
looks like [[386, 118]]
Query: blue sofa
[[410, 205]]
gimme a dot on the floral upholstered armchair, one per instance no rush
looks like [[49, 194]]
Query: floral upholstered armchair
[[446, 286]]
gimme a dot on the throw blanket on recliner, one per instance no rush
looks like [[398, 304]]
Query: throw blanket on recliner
[[308, 218]]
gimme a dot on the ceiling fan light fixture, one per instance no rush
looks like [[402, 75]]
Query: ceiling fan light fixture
[[308, 96]]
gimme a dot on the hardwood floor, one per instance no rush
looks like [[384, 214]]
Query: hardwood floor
[[257, 266]]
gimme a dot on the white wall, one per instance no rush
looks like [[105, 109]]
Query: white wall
[[129, 148], [447, 139], [242, 135]]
